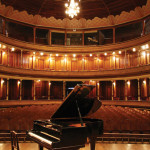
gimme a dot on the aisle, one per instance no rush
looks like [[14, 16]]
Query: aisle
[[99, 146]]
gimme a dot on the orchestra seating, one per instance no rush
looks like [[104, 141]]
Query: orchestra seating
[[118, 119]]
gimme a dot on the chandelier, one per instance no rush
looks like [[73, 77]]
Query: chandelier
[[72, 8]]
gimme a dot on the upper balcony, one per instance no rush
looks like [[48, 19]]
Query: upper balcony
[[43, 52]]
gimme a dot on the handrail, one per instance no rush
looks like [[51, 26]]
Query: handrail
[[106, 137]]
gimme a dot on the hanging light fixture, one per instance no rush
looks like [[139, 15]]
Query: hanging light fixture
[[72, 8]]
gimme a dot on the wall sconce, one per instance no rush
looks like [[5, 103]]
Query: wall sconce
[[33, 57], [144, 53], [134, 49], [4, 46], [105, 54], [74, 55], [41, 54], [4, 53], [144, 82], [18, 82], [119, 52], [12, 49], [90, 55], [65, 59], [114, 58], [2, 81], [57, 55], [114, 83], [128, 82]]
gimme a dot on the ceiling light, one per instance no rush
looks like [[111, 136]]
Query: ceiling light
[[72, 8]]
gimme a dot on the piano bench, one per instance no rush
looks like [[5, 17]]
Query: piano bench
[[14, 140]]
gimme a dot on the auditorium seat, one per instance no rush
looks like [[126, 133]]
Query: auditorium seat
[[116, 118]]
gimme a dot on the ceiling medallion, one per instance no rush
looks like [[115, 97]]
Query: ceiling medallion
[[72, 8]]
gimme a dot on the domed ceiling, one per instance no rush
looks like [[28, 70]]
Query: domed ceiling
[[89, 8]]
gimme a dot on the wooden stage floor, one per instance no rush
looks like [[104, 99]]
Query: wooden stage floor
[[99, 146]]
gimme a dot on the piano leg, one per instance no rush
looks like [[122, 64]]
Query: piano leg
[[92, 141], [40, 147]]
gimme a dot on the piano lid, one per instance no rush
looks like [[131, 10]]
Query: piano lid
[[78, 98]]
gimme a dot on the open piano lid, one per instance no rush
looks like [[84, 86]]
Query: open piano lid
[[78, 98]]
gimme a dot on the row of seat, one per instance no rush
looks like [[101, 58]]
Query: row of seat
[[116, 118]]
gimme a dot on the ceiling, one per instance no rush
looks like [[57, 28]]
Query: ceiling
[[89, 8]]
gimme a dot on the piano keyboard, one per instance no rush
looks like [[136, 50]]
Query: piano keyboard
[[40, 138]]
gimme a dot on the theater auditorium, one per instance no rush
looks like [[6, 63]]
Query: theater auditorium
[[48, 47]]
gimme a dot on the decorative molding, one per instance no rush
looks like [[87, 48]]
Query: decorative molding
[[74, 49], [23, 16], [119, 74]]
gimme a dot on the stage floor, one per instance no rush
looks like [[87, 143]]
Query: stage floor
[[99, 146]]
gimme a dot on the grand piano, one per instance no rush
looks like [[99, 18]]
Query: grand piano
[[68, 129]]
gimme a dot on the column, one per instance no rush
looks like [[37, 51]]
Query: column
[[138, 58], [149, 89], [7, 94], [126, 90], [139, 90], [98, 88], [2, 56], [49, 88], [50, 37], [114, 40], [125, 59], [83, 38], [98, 62], [20, 94], [8, 58], [143, 32], [64, 89], [83, 62], [129, 64], [3, 26], [112, 91], [21, 59], [34, 90], [34, 59], [65, 38], [146, 57], [65, 63], [1, 87], [34, 35]]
